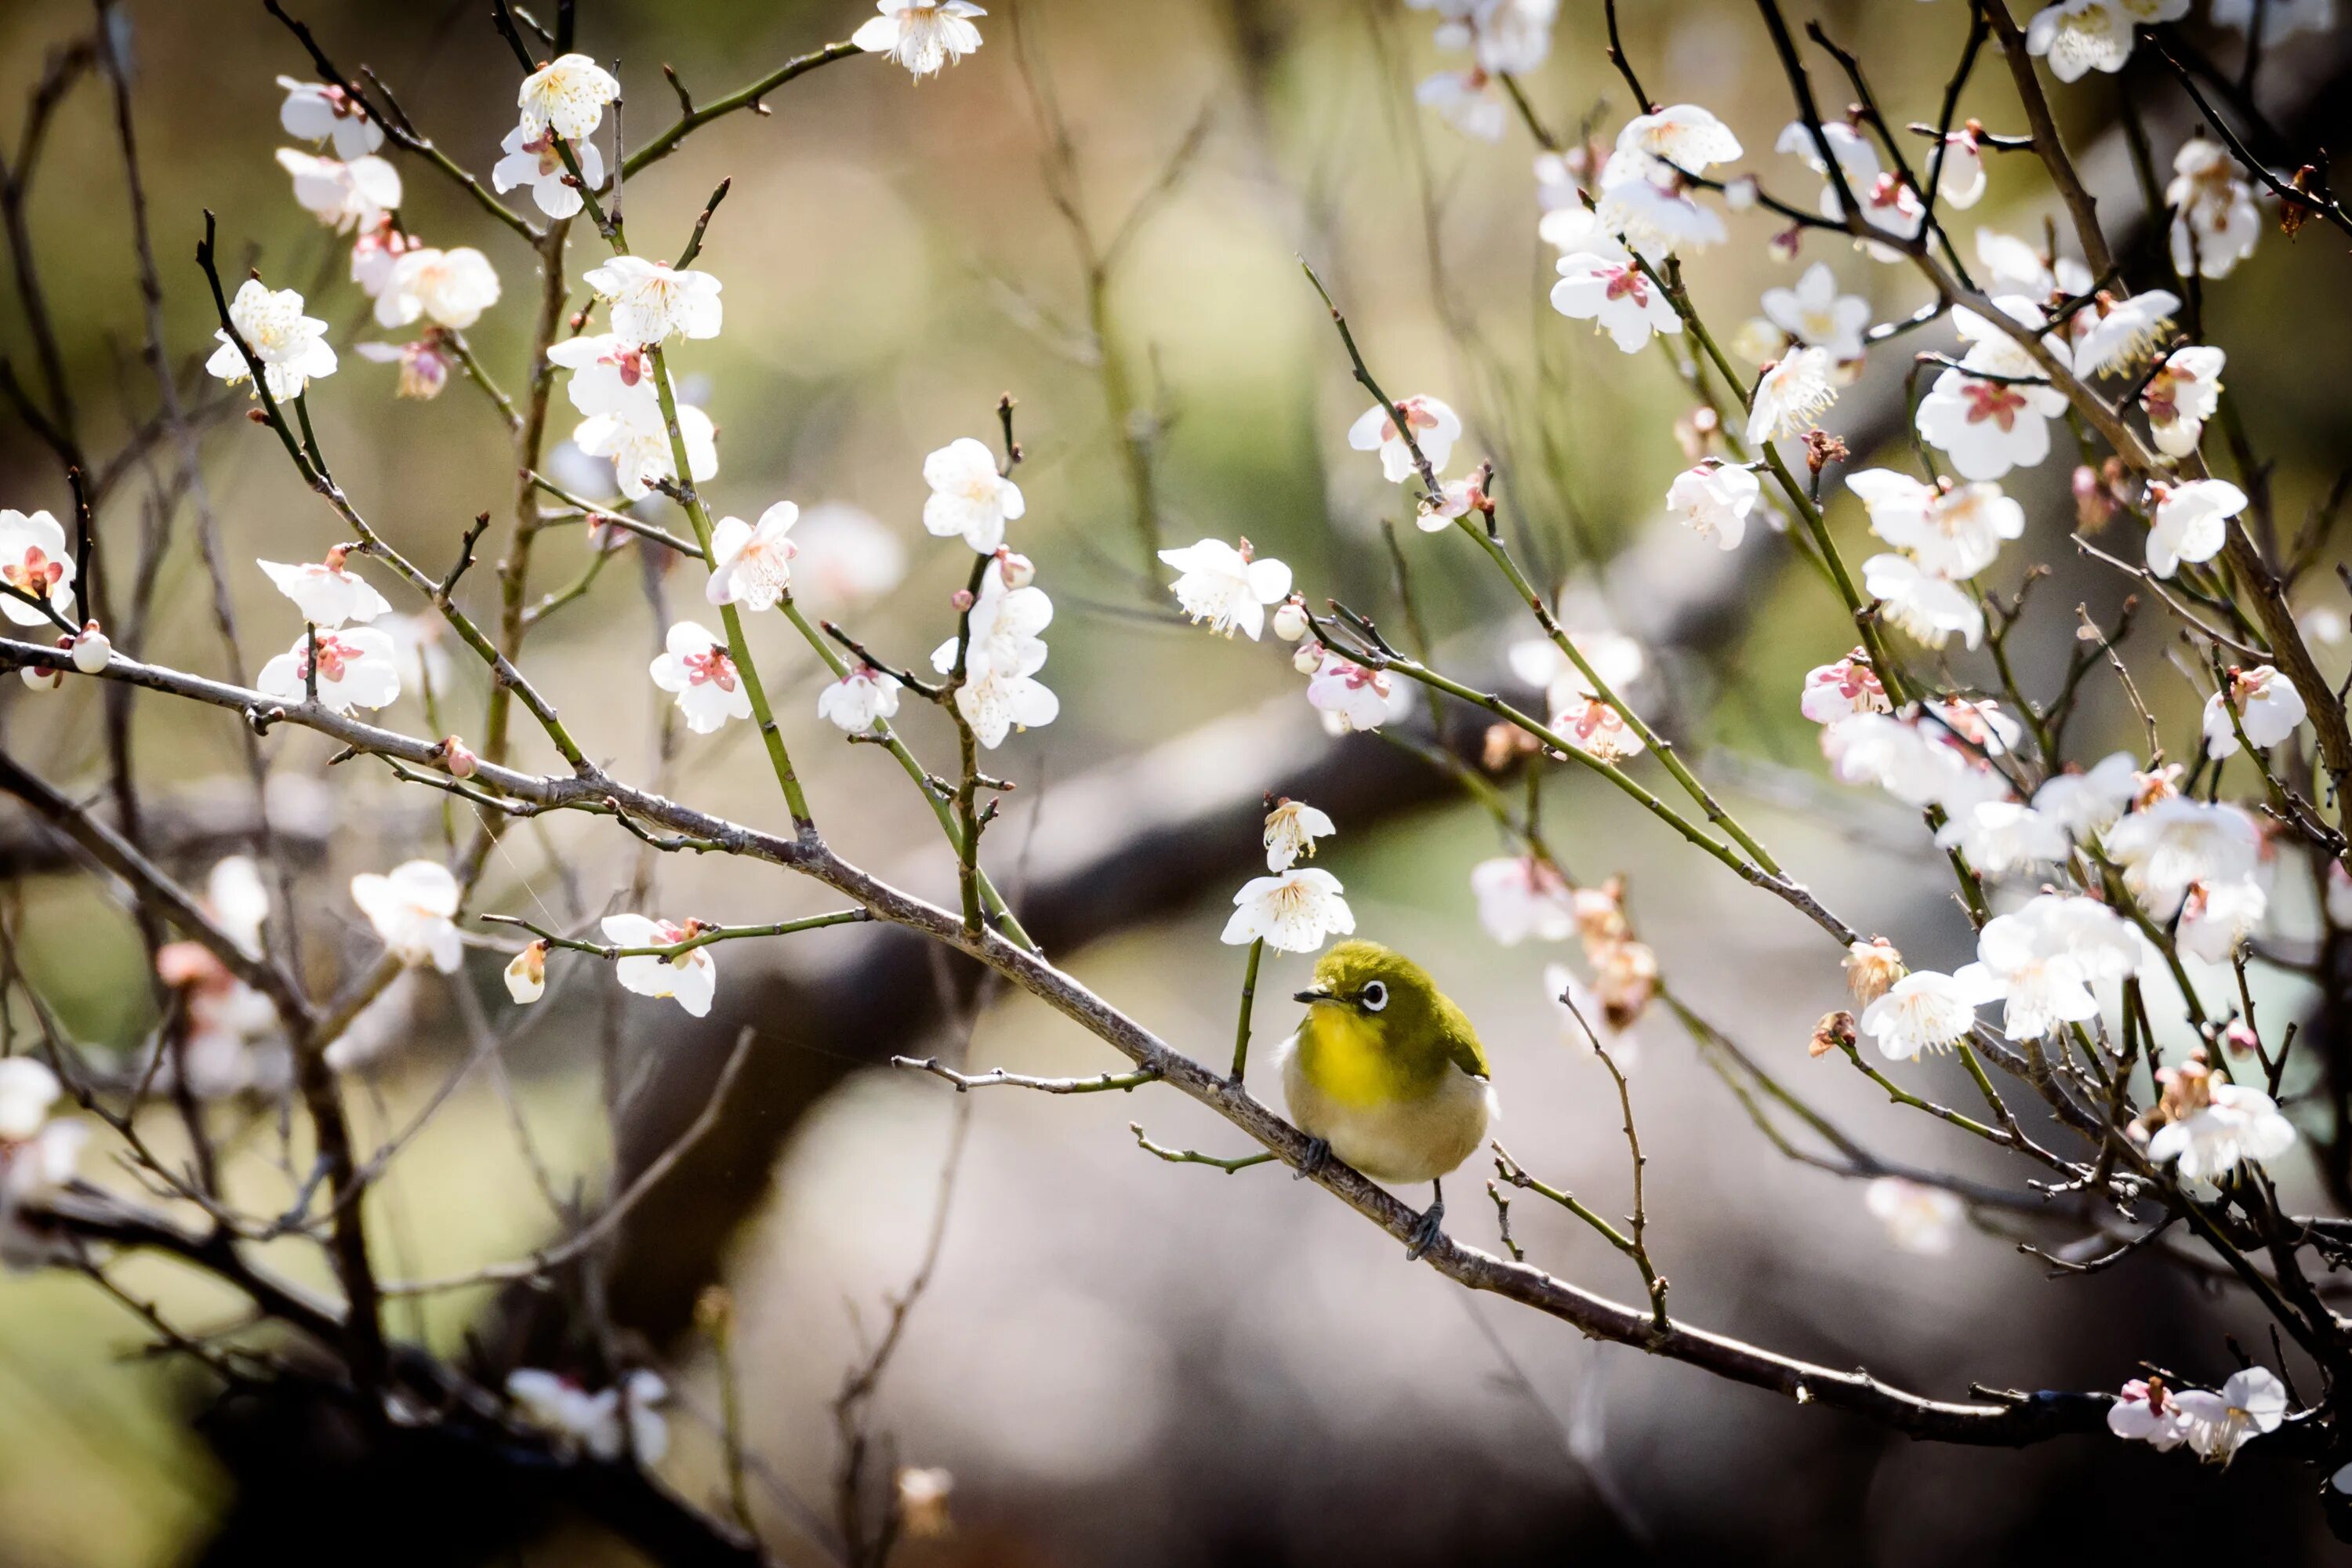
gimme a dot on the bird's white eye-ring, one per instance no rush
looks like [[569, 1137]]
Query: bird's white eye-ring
[[1374, 997]]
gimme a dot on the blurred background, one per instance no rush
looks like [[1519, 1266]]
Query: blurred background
[[1117, 1359]]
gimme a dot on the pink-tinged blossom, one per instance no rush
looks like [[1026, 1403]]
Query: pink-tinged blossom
[[1915, 761], [1227, 587], [2146, 1412], [375, 250], [860, 701], [695, 665], [567, 95], [923, 36], [531, 159], [1595, 728], [356, 669], [969, 497], [2266, 704], [2216, 221], [1918, 1218], [314, 112], [1715, 499], [36, 562], [1961, 159], [1293, 913], [2180, 396], [1435, 426], [292, 347], [1923, 1011], [2192, 523], [1926, 608], [413, 910], [1951, 530], [328, 593], [425, 365], [609, 373], [343, 197], [753, 562], [649, 300], [1521, 897], [1605, 286], [1355, 697], [1841, 690], [689, 978]]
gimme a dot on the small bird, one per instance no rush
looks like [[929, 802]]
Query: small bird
[[1386, 1073]]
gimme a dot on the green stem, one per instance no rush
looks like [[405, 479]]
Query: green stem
[[1249, 994]]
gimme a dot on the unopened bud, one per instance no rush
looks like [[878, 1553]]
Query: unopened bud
[[91, 650], [1871, 968], [1740, 194], [1834, 1032], [527, 975], [1306, 661], [256, 416], [1291, 620], [40, 678], [1784, 244], [961, 600], [1018, 571], [458, 758]]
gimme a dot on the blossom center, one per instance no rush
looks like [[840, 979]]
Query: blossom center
[[38, 575], [712, 667], [1992, 401]]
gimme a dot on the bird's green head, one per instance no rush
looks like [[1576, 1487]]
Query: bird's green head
[[1384, 992]]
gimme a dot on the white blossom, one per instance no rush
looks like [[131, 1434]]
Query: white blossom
[[2087, 804], [2116, 334], [2266, 703], [694, 665], [1960, 156], [1923, 1011], [1657, 219], [594, 1422], [1604, 286], [689, 978], [451, 288], [2022, 958], [969, 497], [2217, 918], [1918, 1218], [1435, 426], [2192, 523], [2180, 396], [314, 112], [1913, 761], [2012, 266], [328, 593], [1595, 728], [1226, 586], [1689, 138], [1791, 396], [2001, 837], [1000, 693], [923, 36], [1356, 697], [2216, 221], [1841, 689], [2233, 1125], [356, 669], [1506, 35], [567, 96], [2178, 842], [2146, 1412], [859, 701], [636, 440], [1292, 912], [1521, 897], [1466, 99], [413, 910], [1927, 607], [2251, 1402], [649, 301], [35, 560], [1998, 418], [1715, 499], [754, 561], [1855, 155], [531, 159], [2080, 35], [846, 557], [342, 195], [374, 251], [1291, 829], [292, 347], [27, 1089], [1815, 312]]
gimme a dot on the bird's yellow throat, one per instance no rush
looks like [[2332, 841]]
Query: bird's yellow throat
[[1343, 1053]]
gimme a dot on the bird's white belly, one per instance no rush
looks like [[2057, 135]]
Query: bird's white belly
[[1403, 1141]]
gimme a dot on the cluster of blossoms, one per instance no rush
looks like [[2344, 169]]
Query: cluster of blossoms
[[2214, 1424], [37, 568], [605, 1424], [1502, 38], [1294, 908], [352, 665], [1526, 897]]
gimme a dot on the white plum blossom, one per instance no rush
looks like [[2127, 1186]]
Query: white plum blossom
[[1918, 762], [1927, 607], [1792, 397], [2216, 221], [1960, 159], [1521, 897], [2251, 1404], [1435, 426], [2087, 804], [1603, 285], [1951, 530], [37, 1156], [36, 562], [414, 909], [531, 159], [649, 301], [356, 669], [1595, 728], [1918, 1218], [2012, 266], [450, 288], [2217, 918], [2266, 704], [1291, 829], [1815, 312], [1847, 144], [689, 978], [1615, 658], [292, 347], [2227, 1125], [1506, 35], [2178, 842], [1715, 499], [27, 1089], [2117, 334], [1226, 586], [860, 701], [1841, 690], [1990, 413], [969, 497], [1292, 912], [1925, 1010], [2180, 396], [1684, 135], [753, 562], [1468, 99], [1658, 219], [846, 557], [2080, 35], [328, 593], [1000, 693], [2000, 836], [342, 195], [374, 250], [314, 112], [2192, 523], [1350, 695], [608, 373], [634, 436], [2146, 1412], [923, 36], [2022, 960], [694, 665], [567, 96]]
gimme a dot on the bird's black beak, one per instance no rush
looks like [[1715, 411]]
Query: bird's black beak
[[1311, 996]]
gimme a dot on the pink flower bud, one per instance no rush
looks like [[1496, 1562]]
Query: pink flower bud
[[962, 601], [1308, 659], [1290, 620], [1018, 571], [458, 758]]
